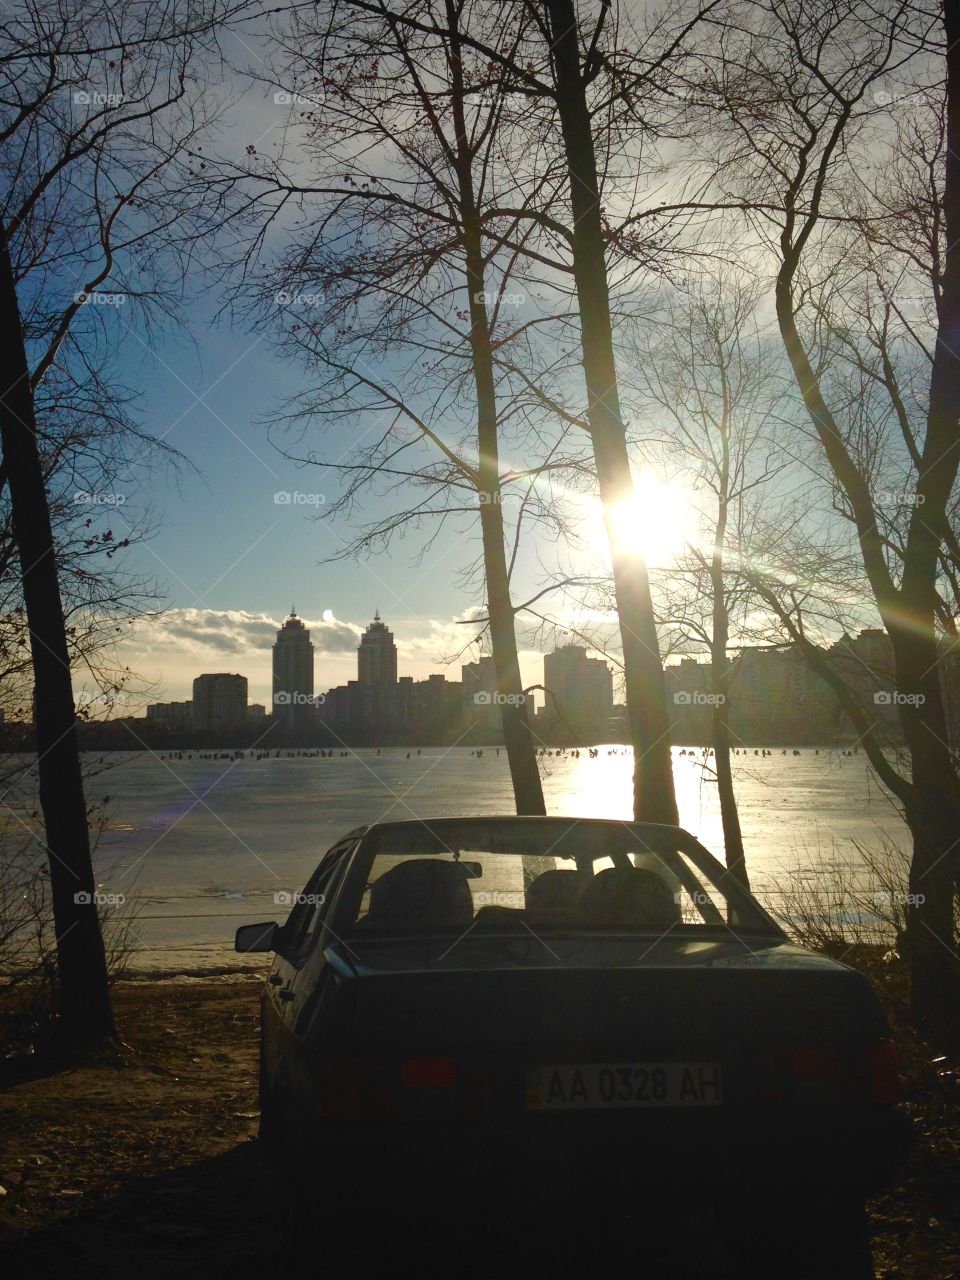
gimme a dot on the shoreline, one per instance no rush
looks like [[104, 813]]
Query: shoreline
[[232, 973]]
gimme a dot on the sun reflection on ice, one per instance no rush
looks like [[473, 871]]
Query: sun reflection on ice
[[584, 790]]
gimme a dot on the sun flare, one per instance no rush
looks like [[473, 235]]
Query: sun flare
[[657, 522]]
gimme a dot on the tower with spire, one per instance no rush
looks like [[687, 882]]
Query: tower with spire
[[293, 702], [377, 655]]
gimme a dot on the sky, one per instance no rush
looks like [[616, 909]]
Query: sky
[[236, 542]]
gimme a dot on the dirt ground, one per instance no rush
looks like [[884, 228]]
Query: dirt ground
[[150, 1167]]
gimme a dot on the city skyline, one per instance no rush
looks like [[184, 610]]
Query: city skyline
[[380, 703], [775, 694], [293, 679], [168, 654], [332, 670]]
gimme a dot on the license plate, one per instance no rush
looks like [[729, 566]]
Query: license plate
[[628, 1084]]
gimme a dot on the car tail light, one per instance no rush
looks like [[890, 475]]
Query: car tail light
[[818, 1062], [340, 1089], [428, 1073], [840, 1073], [884, 1075], [355, 1089]]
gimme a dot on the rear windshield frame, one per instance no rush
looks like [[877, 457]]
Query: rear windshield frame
[[445, 836]]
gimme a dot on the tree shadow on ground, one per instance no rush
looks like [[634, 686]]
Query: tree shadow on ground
[[244, 1213], [208, 1219]]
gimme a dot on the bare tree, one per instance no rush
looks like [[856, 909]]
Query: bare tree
[[704, 367], [573, 62], [576, 89], [100, 103], [410, 149], [799, 88]]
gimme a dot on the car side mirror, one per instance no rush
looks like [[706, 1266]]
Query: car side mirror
[[257, 937]]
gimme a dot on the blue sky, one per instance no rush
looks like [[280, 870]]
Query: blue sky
[[232, 559]]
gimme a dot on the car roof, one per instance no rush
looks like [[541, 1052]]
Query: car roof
[[450, 822], [655, 835]]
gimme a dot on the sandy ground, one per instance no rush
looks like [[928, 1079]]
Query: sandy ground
[[150, 1168]]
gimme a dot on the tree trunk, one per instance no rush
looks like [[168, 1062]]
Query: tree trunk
[[928, 943], [86, 1019], [653, 787], [720, 663], [934, 816], [736, 857], [729, 813], [517, 731]]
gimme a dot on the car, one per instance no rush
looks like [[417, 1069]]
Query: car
[[577, 1002]]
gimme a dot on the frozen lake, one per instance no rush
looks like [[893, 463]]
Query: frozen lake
[[197, 846]]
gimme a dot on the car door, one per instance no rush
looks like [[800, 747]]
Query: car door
[[292, 981]]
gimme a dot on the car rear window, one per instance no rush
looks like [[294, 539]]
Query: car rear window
[[599, 878]]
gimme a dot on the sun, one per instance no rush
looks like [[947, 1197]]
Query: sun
[[657, 522]]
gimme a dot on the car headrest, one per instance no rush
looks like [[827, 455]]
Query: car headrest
[[555, 890], [631, 897], [421, 893]]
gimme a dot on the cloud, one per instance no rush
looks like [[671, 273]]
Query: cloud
[[206, 630], [223, 632], [332, 636], [433, 640]]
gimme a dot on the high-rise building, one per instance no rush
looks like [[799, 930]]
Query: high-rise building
[[479, 682], [377, 655], [174, 712], [774, 695], [219, 702], [293, 701], [689, 705], [579, 692], [479, 677]]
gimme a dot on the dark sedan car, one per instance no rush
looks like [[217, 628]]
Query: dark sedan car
[[578, 1002]]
